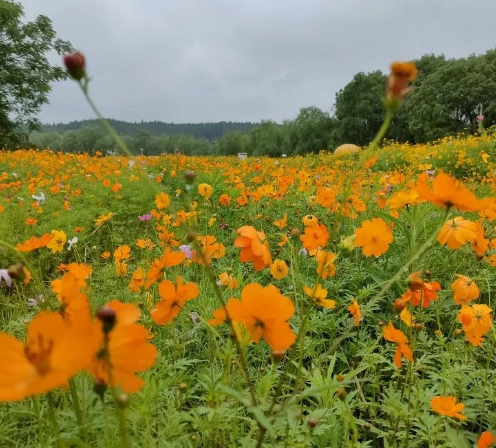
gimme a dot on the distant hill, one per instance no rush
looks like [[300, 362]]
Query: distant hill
[[210, 131]]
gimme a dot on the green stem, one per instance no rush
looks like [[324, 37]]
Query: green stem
[[75, 403], [53, 418], [382, 131]]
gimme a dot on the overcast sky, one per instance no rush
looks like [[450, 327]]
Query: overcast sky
[[245, 60]]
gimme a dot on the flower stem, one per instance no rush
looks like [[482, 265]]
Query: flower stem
[[75, 403], [53, 418]]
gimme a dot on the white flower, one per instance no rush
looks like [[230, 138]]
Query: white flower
[[72, 242], [40, 199]]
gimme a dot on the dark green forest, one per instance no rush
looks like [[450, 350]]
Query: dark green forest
[[449, 97]]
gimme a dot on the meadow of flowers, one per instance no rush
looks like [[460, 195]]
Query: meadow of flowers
[[207, 302]]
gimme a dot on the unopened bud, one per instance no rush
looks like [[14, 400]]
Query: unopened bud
[[191, 236], [278, 356], [107, 316], [367, 426], [341, 393], [75, 65], [399, 305], [312, 422], [340, 377], [122, 401], [182, 387], [16, 271], [295, 233], [99, 387], [189, 176]]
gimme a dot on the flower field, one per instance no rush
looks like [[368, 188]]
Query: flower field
[[310, 301]]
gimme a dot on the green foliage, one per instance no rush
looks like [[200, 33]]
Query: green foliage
[[26, 73]]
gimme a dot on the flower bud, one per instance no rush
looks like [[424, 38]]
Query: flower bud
[[16, 271], [182, 387], [278, 356], [340, 377], [122, 401], [189, 176], [107, 316], [341, 393], [75, 65], [99, 387], [312, 422], [401, 74], [399, 305]]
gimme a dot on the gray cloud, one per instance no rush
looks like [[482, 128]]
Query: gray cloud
[[210, 60]]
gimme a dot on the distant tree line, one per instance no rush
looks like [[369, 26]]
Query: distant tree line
[[448, 97]]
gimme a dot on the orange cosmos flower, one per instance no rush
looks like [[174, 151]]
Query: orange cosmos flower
[[423, 294], [205, 190], [168, 259], [326, 197], [476, 321], [465, 290], [224, 200], [326, 267], [281, 223], [105, 255], [254, 247], [309, 220], [401, 74], [122, 253], [210, 249], [391, 334], [137, 280], [264, 312], [220, 314], [315, 236], [125, 349], [31, 221], [447, 405], [318, 295], [228, 280], [404, 198], [34, 243], [355, 311], [485, 440], [162, 200], [279, 269], [481, 244], [146, 244], [57, 242], [449, 192], [53, 353], [172, 300], [374, 237], [74, 305], [456, 232]]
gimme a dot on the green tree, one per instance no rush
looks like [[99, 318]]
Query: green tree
[[25, 73], [269, 139], [359, 108], [449, 100], [233, 143], [310, 131]]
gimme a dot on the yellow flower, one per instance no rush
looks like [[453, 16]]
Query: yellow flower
[[318, 295], [205, 190], [279, 269], [58, 240]]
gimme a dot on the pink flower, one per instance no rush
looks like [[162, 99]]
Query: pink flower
[[146, 217], [188, 251]]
